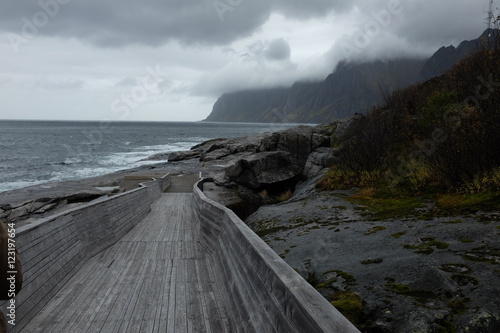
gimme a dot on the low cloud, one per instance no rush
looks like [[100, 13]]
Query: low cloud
[[277, 49]]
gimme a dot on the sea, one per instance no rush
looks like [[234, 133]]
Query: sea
[[36, 152]]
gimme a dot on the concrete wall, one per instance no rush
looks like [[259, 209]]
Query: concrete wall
[[53, 249], [263, 293]]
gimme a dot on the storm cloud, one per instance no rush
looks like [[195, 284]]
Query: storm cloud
[[100, 48]]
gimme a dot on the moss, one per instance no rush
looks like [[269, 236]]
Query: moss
[[402, 289], [464, 280], [349, 304], [372, 261], [375, 230], [343, 178], [399, 234], [420, 249], [426, 245], [285, 253], [348, 278], [438, 245], [457, 307], [483, 254], [445, 326], [385, 208], [339, 207], [466, 240], [467, 203], [312, 278]]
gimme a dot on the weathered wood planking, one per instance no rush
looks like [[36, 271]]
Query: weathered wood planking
[[155, 279]]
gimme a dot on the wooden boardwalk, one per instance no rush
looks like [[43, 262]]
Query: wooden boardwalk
[[157, 278]]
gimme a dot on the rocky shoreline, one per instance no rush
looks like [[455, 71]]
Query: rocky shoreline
[[395, 275]]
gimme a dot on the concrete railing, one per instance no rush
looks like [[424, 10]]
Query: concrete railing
[[262, 293], [53, 249]]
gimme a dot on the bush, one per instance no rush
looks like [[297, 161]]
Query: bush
[[443, 133]]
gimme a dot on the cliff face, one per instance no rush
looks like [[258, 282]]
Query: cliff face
[[352, 88], [248, 106]]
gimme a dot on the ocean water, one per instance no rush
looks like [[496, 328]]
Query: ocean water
[[35, 152]]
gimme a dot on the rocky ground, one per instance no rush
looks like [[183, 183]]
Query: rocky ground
[[392, 275]]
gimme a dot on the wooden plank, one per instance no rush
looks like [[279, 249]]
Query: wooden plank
[[116, 313]]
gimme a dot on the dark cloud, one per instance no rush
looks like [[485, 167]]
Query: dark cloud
[[311, 8], [277, 49], [109, 23]]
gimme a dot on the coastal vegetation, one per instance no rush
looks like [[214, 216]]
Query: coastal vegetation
[[432, 144]]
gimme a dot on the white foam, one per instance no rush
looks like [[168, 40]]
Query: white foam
[[73, 168]]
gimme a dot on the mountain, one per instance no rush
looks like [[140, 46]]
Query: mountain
[[447, 56], [352, 88]]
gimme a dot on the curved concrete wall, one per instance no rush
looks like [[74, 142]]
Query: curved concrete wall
[[53, 249], [263, 293]]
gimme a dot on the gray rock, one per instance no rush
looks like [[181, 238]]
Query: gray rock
[[263, 169], [319, 159], [298, 142], [343, 125], [402, 289], [215, 155], [183, 155]]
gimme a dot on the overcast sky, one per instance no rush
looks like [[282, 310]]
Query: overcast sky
[[171, 59]]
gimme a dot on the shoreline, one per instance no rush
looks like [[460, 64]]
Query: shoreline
[[29, 204]]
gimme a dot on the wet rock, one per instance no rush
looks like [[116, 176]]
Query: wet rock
[[215, 154], [263, 169], [184, 155], [319, 159]]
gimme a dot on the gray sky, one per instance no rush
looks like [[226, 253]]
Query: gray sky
[[171, 59]]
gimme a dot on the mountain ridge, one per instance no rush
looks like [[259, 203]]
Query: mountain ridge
[[352, 88]]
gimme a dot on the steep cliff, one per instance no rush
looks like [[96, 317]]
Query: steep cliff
[[353, 87]]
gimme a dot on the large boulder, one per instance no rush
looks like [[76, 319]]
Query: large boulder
[[184, 155], [215, 155], [319, 159], [262, 169], [300, 142]]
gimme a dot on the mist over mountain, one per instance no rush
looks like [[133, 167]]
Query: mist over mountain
[[447, 56], [351, 88]]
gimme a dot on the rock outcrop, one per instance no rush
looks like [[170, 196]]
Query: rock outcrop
[[260, 168], [394, 275]]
